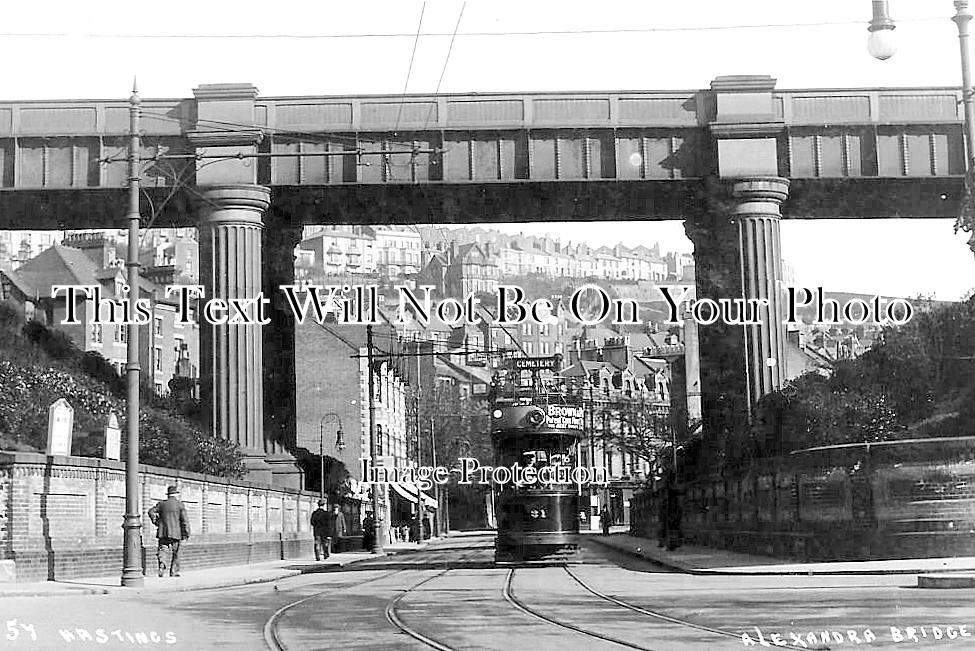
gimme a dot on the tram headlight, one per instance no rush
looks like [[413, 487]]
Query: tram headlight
[[535, 418], [497, 413]]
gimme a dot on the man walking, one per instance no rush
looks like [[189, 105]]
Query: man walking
[[334, 527], [319, 527], [172, 527]]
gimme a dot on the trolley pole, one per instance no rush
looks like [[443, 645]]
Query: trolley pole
[[377, 545], [132, 522]]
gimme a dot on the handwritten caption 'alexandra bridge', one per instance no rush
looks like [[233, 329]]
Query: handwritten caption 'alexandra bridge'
[[829, 639]]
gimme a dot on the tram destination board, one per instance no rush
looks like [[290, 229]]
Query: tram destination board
[[553, 363]]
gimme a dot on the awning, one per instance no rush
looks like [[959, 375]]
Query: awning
[[410, 491]]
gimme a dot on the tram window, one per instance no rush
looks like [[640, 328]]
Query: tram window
[[535, 457]]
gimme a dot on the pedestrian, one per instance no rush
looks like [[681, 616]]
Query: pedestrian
[[662, 515], [334, 528], [319, 525], [368, 532], [172, 527], [604, 519], [674, 517], [415, 529]]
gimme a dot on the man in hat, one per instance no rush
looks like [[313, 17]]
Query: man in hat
[[172, 527], [319, 527]]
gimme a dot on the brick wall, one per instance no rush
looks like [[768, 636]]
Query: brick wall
[[61, 517]]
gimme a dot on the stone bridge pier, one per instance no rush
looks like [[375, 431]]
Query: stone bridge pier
[[247, 370], [735, 226]]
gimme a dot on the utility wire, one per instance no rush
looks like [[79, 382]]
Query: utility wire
[[299, 136], [477, 34], [409, 69], [443, 71]]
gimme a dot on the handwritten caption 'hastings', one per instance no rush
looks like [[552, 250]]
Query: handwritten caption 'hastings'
[[23, 632], [826, 638]]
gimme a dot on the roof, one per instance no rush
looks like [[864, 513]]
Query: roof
[[19, 283], [650, 363], [58, 265], [465, 373], [585, 368]]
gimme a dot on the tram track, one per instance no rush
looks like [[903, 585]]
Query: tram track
[[660, 616], [271, 637], [521, 606], [394, 607], [393, 617], [273, 640]]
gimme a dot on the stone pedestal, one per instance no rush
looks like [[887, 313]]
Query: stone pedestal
[[231, 224], [757, 215]]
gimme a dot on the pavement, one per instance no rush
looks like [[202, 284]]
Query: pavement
[[202, 579], [693, 559]]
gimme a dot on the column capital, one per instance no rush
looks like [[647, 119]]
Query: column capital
[[239, 203], [760, 195]]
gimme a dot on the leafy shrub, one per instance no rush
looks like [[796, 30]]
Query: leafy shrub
[[31, 380]]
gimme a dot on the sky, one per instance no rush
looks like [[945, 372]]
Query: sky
[[94, 49]]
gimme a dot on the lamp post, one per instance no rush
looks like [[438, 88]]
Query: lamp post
[[132, 522], [339, 445], [881, 45]]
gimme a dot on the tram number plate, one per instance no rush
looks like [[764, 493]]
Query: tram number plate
[[538, 513]]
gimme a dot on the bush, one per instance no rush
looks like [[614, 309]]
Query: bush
[[99, 369], [55, 343], [165, 440]]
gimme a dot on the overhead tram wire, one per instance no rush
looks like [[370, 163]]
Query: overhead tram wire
[[297, 136], [480, 34], [409, 69]]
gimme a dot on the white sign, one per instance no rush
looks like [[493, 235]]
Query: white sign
[[60, 421], [113, 439], [564, 417], [593, 500]]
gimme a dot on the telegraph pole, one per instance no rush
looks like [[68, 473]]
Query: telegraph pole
[[377, 545], [132, 523], [438, 516]]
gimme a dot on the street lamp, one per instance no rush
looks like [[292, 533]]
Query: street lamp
[[339, 445], [880, 45]]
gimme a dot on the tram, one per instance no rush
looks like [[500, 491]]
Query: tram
[[536, 429]]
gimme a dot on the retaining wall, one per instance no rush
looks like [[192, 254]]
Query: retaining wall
[[906, 499], [61, 518]]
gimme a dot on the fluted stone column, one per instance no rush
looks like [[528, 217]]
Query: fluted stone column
[[759, 241], [231, 225]]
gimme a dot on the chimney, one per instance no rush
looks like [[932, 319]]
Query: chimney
[[95, 245]]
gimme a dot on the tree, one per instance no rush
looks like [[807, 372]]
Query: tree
[[638, 428]]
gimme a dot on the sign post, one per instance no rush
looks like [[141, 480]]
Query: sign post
[[60, 421]]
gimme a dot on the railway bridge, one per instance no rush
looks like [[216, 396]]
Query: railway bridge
[[249, 171]]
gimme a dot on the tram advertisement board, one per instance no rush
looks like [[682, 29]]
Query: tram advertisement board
[[564, 416]]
